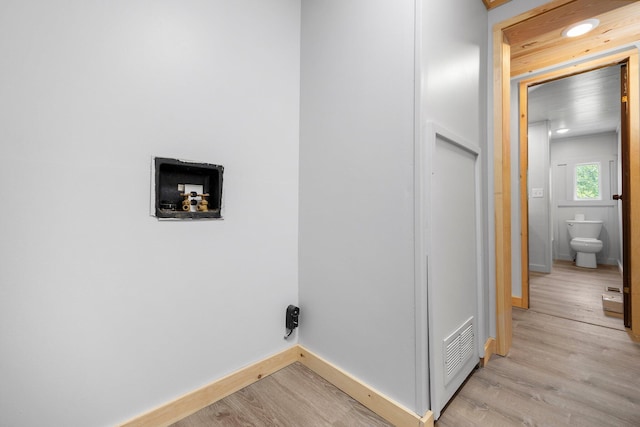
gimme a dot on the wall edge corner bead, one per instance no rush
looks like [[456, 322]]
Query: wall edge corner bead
[[183, 189]]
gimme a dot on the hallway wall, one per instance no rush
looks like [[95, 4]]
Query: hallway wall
[[362, 108], [539, 204], [356, 190], [105, 312]]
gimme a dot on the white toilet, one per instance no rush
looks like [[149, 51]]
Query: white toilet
[[584, 240]]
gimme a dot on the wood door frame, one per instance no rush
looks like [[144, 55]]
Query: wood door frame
[[524, 192], [614, 59], [502, 180]]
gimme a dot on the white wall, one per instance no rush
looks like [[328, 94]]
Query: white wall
[[565, 154], [356, 190], [453, 52], [539, 198], [357, 290], [104, 311]]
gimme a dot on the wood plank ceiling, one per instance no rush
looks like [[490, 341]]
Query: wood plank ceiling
[[586, 103], [537, 42], [490, 4]]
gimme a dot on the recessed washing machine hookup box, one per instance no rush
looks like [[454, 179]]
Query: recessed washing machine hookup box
[[186, 190]]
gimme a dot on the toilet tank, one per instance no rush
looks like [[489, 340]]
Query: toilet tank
[[584, 229]]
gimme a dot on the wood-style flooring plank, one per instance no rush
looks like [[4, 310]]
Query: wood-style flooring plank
[[559, 372], [569, 365], [575, 293], [294, 396]]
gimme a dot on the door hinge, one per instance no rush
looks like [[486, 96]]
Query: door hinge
[[625, 290], [624, 99]]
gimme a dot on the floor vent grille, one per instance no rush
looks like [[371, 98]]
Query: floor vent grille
[[458, 348]]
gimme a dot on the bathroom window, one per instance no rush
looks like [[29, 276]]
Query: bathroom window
[[587, 181]]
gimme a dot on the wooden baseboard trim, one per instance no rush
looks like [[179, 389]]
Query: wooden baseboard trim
[[385, 407], [192, 402], [516, 302], [186, 405], [489, 350]]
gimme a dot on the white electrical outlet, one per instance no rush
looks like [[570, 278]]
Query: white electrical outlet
[[537, 193]]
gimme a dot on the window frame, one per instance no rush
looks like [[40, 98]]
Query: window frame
[[575, 181]]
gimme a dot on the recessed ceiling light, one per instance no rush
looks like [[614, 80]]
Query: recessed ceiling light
[[563, 130], [580, 28]]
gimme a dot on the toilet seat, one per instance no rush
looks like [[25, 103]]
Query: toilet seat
[[585, 240], [585, 244]]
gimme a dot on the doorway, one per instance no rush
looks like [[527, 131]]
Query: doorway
[[504, 36], [573, 123]]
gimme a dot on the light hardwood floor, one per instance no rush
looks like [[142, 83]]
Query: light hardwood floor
[[575, 293], [570, 364], [292, 397], [559, 372]]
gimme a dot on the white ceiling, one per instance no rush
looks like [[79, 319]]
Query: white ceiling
[[585, 103]]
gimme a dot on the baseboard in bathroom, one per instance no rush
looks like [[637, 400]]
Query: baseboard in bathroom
[[539, 268]]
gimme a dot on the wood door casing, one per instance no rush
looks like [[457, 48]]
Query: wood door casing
[[626, 195], [502, 166], [524, 84]]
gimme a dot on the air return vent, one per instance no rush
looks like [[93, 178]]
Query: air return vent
[[458, 348]]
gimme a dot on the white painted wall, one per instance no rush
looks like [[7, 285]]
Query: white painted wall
[[539, 198], [452, 74], [565, 153], [105, 312], [453, 67], [358, 89], [356, 190]]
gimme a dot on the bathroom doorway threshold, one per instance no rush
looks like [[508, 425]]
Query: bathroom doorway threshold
[[575, 293]]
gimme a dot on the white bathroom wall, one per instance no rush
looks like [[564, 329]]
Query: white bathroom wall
[[539, 201], [106, 312], [565, 153]]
